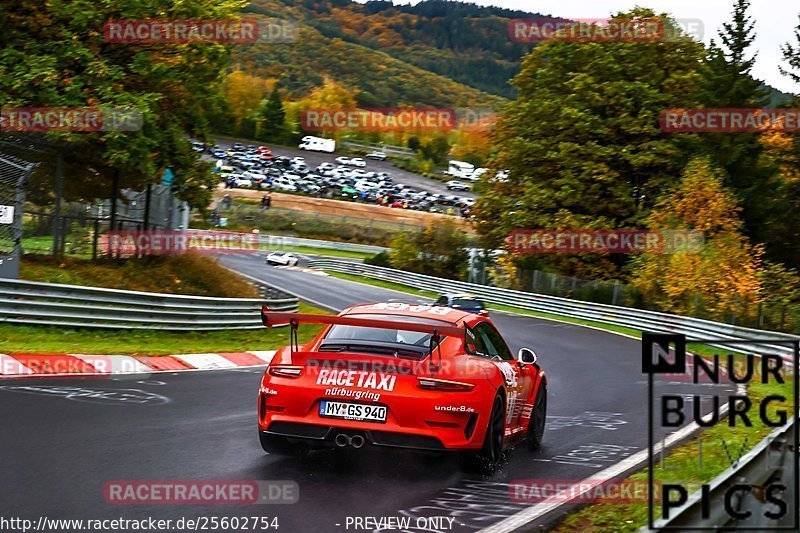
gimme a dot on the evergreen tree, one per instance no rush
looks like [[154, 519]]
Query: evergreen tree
[[791, 54], [751, 173], [729, 84], [272, 123]]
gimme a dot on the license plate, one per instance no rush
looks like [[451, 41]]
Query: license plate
[[353, 411]]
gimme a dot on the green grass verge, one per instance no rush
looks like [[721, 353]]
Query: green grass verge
[[190, 274], [50, 339], [383, 284]]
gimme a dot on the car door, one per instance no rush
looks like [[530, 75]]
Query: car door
[[518, 377]]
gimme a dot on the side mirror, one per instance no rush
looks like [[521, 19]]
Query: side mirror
[[484, 312], [527, 356]]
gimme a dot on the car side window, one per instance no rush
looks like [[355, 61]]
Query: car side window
[[495, 345], [442, 301], [474, 343]]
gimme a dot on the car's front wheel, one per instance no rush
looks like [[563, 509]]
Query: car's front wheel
[[491, 454]]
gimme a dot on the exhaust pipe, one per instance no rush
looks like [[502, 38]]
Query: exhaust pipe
[[342, 440]]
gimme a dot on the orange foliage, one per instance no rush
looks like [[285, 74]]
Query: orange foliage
[[245, 92], [723, 276]]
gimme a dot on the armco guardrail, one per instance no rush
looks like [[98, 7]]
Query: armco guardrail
[[385, 148], [639, 319], [771, 460], [29, 302]]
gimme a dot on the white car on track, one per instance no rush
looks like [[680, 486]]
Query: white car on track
[[282, 258]]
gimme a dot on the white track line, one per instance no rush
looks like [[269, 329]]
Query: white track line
[[633, 462]]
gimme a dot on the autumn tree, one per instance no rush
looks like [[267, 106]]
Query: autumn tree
[[330, 95], [54, 54], [244, 94], [719, 279], [582, 142], [471, 146]]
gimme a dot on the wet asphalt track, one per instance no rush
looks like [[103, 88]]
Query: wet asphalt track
[[58, 453]]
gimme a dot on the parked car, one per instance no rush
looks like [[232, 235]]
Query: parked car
[[283, 161], [455, 185], [357, 162], [448, 200], [283, 184], [465, 203], [380, 156], [342, 160], [242, 182]]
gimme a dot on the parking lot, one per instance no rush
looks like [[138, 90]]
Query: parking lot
[[320, 174]]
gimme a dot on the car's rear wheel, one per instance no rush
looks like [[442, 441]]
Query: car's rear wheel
[[538, 418], [491, 454]]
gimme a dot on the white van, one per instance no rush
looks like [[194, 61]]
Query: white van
[[460, 169], [317, 144]]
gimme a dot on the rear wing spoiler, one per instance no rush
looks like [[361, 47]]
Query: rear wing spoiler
[[275, 318]]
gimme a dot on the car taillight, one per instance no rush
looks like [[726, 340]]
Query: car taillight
[[444, 385], [286, 371]]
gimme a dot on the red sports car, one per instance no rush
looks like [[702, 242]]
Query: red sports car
[[403, 375]]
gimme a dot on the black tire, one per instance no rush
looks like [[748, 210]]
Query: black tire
[[277, 445], [535, 433], [491, 454]]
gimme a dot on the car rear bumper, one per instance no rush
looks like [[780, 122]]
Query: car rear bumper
[[325, 436]]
